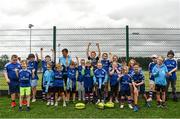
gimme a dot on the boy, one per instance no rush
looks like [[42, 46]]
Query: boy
[[151, 77], [59, 84], [80, 79], [100, 79], [25, 76], [88, 74], [171, 65], [71, 81], [11, 78], [48, 81], [114, 77], [33, 65], [125, 91], [92, 55], [160, 72], [138, 85]]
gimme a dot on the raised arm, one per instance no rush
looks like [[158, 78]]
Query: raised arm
[[41, 53], [87, 52], [77, 59], [53, 52], [99, 51]]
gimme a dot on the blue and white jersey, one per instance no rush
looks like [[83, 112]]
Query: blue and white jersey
[[100, 77], [80, 76], [150, 68], [9, 68], [33, 65], [171, 64], [114, 78], [58, 79], [48, 78], [25, 76], [125, 82], [137, 77], [72, 73], [106, 64]]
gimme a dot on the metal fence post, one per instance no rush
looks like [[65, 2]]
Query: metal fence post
[[127, 43], [54, 42]]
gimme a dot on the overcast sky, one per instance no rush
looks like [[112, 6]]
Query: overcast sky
[[89, 13]]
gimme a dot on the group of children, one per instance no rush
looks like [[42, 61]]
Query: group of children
[[96, 80]]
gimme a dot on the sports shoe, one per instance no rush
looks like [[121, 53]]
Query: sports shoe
[[122, 106], [59, 99], [135, 109], [98, 102], [64, 104], [48, 103], [52, 103], [20, 109], [34, 100], [116, 100], [27, 109], [56, 104], [13, 104], [130, 106]]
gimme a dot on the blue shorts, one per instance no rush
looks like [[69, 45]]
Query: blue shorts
[[14, 88], [33, 83], [125, 92]]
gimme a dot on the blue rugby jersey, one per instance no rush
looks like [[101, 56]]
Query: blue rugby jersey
[[33, 65], [137, 77], [72, 73], [106, 64], [58, 79], [25, 76], [171, 64], [80, 76], [114, 78], [125, 81], [150, 68], [9, 68], [88, 77]]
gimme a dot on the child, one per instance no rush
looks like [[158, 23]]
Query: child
[[88, 74], [71, 81], [11, 78], [44, 68], [160, 72], [59, 84], [125, 91], [100, 79], [92, 55], [48, 81], [33, 65], [151, 77], [171, 65], [114, 77], [131, 64], [81, 92], [138, 85], [25, 76]]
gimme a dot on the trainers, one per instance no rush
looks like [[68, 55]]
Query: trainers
[[116, 100], [27, 109], [56, 104], [159, 105], [59, 99], [13, 104], [135, 109], [102, 101], [52, 103], [122, 106], [48, 103], [148, 104], [20, 109], [64, 104], [98, 102], [34, 100], [130, 106]]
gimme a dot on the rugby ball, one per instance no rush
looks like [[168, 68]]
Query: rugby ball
[[80, 106], [100, 105], [109, 105]]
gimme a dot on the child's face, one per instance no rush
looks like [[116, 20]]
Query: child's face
[[126, 70], [99, 65], [114, 65], [14, 60], [83, 62], [132, 63], [24, 65], [105, 56], [159, 61], [64, 53], [48, 67], [88, 64], [170, 56], [136, 68], [154, 59], [59, 67], [72, 65], [47, 59], [115, 59], [32, 59], [93, 54]]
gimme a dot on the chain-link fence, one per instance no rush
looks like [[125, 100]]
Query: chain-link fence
[[143, 42]]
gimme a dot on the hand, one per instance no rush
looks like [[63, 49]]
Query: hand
[[89, 44], [169, 74], [52, 50], [7, 81], [41, 49], [33, 70], [16, 70], [97, 44]]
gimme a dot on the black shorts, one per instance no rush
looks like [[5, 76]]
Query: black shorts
[[50, 90], [141, 89], [65, 79], [160, 88], [125, 92], [58, 89], [114, 89], [14, 88]]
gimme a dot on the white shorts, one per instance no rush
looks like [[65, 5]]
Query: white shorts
[[151, 82], [34, 83]]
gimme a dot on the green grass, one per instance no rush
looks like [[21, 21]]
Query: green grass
[[40, 110], [4, 86]]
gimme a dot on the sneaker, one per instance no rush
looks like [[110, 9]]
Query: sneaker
[[130, 106], [13, 104], [149, 100], [59, 99], [122, 106], [34, 100], [102, 101], [148, 104], [20, 109], [56, 104], [98, 102], [116, 100], [52, 103], [79, 99], [48, 103], [27, 109], [159, 105], [64, 104], [135, 109]]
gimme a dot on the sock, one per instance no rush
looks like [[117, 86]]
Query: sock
[[13, 101], [129, 101], [150, 94]]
